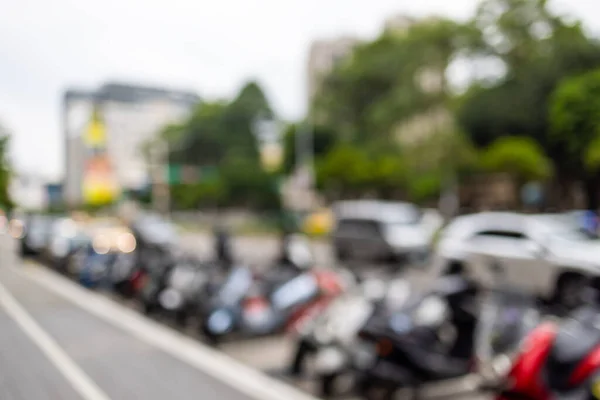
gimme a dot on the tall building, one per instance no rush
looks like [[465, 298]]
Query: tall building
[[132, 115], [323, 57]]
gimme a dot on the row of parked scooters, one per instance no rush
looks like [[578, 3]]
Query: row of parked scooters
[[449, 338]]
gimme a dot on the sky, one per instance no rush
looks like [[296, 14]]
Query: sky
[[209, 47]]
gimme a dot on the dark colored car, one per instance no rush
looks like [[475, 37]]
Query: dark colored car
[[34, 235]]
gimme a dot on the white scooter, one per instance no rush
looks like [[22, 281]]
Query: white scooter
[[332, 336]]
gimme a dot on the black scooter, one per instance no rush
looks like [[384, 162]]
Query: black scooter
[[434, 342]]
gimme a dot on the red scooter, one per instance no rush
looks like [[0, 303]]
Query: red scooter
[[557, 361]]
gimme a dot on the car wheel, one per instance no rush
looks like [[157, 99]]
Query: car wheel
[[24, 250], [568, 291], [341, 254], [181, 318], [212, 340], [149, 308]]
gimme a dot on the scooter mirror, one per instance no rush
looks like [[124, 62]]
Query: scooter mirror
[[374, 289], [432, 311]]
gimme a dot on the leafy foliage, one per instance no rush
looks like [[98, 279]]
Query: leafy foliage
[[323, 140], [521, 157], [220, 134], [5, 173], [575, 120], [381, 85]]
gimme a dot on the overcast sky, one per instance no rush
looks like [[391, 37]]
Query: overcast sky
[[209, 47]]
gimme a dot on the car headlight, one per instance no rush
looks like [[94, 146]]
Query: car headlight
[[101, 244], [126, 243]]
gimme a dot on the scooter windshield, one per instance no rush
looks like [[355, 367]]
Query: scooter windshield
[[237, 285], [298, 290], [505, 320]]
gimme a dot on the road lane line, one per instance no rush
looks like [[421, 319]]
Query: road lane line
[[244, 379], [57, 356]]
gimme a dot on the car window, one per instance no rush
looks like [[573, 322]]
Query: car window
[[404, 215], [561, 228], [358, 228], [345, 226], [501, 234]]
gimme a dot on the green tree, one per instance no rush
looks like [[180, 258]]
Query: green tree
[[221, 134], [521, 157], [575, 123], [351, 171], [380, 85], [5, 171], [538, 50], [323, 140]]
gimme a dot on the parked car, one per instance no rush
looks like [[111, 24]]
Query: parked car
[[156, 253], [93, 262], [66, 238], [545, 254], [33, 234], [379, 230]]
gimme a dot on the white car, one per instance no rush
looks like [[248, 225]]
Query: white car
[[546, 254]]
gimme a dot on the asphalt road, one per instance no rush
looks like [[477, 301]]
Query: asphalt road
[[125, 363], [61, 342]]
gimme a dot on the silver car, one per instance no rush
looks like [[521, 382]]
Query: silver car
[[547, 254], [380, 230]]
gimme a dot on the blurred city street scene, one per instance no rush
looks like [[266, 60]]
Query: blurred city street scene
[[271, 201]]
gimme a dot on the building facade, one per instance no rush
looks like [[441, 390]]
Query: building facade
[[132, 115]]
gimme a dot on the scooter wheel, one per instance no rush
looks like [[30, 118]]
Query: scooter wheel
[[209, 337], [181, 319], [297, 367], [328, 385], [368, 389], [149, 308]]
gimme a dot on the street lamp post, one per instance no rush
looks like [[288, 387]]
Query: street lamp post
[[305, 157]]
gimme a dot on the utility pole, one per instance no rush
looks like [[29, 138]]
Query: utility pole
[[304, 155], [161, 194]]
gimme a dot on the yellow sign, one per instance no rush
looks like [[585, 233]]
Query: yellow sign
[[95, 136], [99, 184]]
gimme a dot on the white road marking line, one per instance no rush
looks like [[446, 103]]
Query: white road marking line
[[57, 356], [234, 374]]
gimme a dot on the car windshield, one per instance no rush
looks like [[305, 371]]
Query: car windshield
[[564, 228], [40, 224], [403, 215]]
